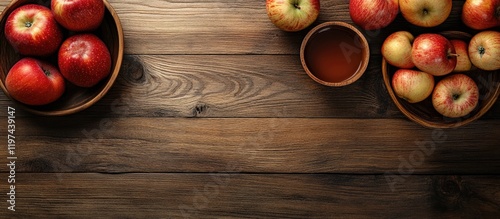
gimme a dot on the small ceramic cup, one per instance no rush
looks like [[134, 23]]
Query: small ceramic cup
[[334, 53]]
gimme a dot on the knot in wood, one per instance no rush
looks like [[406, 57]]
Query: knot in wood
[[450, 192], [133, 69], [200, 109]]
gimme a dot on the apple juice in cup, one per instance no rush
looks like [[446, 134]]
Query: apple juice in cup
[[333, 54]]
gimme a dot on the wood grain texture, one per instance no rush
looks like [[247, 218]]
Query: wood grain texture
[[242, 86], [288, 145], [212, 116], [231, 27], [239, 86], [221, 195]]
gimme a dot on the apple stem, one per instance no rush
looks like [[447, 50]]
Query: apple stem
[[453, 55], [481, 50], [297, 6], [456, 96], [46, 72], [28, 24]]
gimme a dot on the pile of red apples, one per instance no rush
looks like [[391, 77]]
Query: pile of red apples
[[423, 58], [376, 14], [65, 31]]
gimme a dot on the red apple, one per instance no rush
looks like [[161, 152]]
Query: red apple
[[481, 14], [373, 14], [292, 15], [484, 50], [434, 54], [396, 49], [425, 13], [462, 50], [34, 82], [412, 85], [78, 15], [32, 30], [455, 96], [84, 60]]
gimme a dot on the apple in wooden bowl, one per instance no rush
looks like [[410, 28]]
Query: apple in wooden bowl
[[75, 97], [425, 113]]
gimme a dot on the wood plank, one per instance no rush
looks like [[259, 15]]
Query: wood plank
[[235, 86], [221, 195], [228, 26], [286, 145], [215, 27], [239, 86], [232, 27]]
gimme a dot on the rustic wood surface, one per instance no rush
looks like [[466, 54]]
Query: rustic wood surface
[[212, 116]]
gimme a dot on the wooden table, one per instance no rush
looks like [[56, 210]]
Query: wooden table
[[212, 116]]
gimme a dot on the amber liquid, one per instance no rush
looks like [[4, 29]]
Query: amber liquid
[[333, 54]]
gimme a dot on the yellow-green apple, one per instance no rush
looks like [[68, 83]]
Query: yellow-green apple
[[396, 49], [433, 53], [412, 85], [292, 15], [462, 51], [481, 14], [425, 13], [78, 15], [34, 82], [32, 30], [455, 96], [373, 14], [84, 60], [484, 50]]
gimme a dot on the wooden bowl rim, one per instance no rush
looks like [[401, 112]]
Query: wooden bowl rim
[[110, 81], [431, 124], [355, 76]]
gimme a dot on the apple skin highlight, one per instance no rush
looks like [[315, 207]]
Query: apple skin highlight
[[292, 15]]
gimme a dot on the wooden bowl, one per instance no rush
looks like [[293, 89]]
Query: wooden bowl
[[74, 99], [424, 113], [342, 52]]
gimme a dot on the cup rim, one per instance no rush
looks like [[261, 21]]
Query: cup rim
[[349, 27]]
